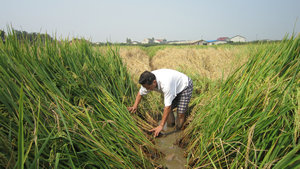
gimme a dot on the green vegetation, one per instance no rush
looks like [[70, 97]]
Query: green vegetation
[[252, 120], [63, 105], [151, 50]]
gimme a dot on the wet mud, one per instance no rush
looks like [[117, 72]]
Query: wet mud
[[166, 143]]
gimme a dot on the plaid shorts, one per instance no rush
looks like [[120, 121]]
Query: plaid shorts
[[182, 100]]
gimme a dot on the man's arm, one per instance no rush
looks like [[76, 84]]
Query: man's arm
[[138, 99], [166, 113]]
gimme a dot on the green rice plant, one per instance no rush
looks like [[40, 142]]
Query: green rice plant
[[20, 132], [151, 50], [73, 103], [250, 120]]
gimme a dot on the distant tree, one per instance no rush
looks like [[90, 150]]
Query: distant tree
[[2, 35], [18, 34], [151, 41], [32, 37], [45, 36], [128, 41]]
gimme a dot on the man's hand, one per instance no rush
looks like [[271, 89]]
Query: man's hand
[[136, 103], [132, 109], [156, 130]]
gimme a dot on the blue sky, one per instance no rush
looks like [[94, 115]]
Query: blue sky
[[116, 20]]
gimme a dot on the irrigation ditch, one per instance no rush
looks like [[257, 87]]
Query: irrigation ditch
[[167, 143], [173, 154]]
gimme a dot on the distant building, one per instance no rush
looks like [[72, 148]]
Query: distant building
[[211, 42], [161, 41], [223, 39], [135, 42], [152, 40], [238, 38], [199, 42], [191, 42], [146, 41], [216, 42]]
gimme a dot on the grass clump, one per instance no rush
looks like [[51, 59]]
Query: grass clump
[[251, 121], [70, 112]]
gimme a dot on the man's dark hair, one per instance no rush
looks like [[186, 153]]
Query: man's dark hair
[[147, 78]]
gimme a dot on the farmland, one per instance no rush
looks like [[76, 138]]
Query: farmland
[[64, 105]]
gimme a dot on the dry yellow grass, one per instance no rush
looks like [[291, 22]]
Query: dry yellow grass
[[209, 62], [212, 63], [136, 59]]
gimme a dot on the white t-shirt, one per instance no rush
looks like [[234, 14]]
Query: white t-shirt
[[169, 82]]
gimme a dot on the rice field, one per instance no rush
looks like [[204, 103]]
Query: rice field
[[63, 105], [252, 120], [245, 107]]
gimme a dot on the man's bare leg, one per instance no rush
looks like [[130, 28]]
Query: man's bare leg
[[171, 120], [180, 120]]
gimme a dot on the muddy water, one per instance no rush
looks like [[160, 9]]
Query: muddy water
[[174, 155]]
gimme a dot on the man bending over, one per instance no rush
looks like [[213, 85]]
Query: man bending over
[[177, 90]]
